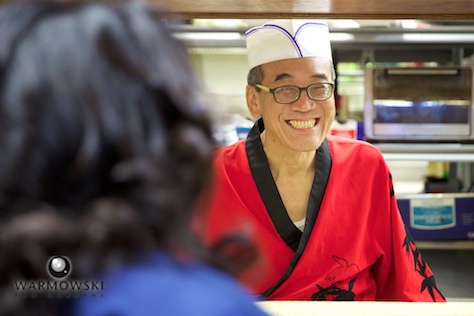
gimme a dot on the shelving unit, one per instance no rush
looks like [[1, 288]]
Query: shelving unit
[[446, 245], [431, 152]]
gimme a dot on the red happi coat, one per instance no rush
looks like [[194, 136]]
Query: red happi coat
[[354, 245]]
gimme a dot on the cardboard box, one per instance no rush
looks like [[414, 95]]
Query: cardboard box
[[445, 216]]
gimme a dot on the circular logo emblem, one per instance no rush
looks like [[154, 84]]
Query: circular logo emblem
[[59, 267]]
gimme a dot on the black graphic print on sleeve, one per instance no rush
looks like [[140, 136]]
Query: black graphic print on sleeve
[[420, 266]]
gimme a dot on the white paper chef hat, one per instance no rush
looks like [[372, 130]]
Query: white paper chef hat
[[283, 39]]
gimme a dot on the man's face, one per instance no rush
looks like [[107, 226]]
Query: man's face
[[299, 126]]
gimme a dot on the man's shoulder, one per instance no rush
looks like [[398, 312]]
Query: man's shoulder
[[344, 143], [345, 148], [232, 152]]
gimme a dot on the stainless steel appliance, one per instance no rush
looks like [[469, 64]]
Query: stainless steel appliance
[[422, 104]]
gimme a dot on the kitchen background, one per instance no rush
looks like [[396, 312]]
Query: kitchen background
[[217, 53]]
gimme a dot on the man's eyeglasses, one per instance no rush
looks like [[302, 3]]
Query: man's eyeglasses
[[289, 94]]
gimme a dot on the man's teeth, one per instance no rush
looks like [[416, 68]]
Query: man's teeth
[[302, 124]]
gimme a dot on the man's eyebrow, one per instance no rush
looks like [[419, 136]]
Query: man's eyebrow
[[320, 76], [282, 76]]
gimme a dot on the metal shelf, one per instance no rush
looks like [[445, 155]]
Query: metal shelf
[[452, 152], [446, 245]]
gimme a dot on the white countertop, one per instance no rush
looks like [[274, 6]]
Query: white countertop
[[307, 308]]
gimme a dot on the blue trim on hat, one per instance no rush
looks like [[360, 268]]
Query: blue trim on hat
[[288, 34]]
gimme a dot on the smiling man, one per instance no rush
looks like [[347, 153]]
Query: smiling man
[[321, 209]]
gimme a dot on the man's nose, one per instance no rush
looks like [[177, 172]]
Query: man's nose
[[304, 102]]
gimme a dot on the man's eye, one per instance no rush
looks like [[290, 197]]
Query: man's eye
[[286, 90]]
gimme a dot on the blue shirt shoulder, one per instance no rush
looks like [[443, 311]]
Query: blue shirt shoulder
[[163, 286]]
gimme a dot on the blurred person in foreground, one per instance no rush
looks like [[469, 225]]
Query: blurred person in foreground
[[321, 208], [105, 149]]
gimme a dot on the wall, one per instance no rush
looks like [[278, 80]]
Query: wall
[[224, 76]]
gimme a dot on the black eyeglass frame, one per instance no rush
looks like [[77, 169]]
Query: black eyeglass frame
[[273, 90]]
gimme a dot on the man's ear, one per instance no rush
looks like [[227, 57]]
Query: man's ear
[[252, 101]]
